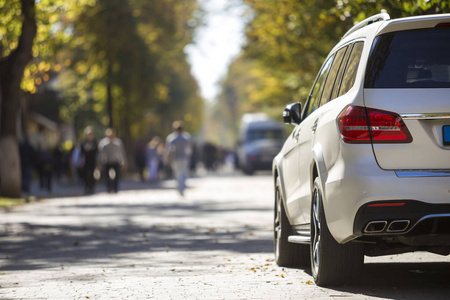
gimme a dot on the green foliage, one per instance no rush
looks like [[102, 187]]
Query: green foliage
[[287, 41], [135, 46], [142, 42], [286, 44], [10, 11], [358, 10]]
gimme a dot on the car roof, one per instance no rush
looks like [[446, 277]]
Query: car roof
[[410, 23], [386, 24], [382, 23]]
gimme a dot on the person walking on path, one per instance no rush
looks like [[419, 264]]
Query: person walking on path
[[177, 152], [153, 158], [88, 159], [44, 164], [27, 161], [113, 159]]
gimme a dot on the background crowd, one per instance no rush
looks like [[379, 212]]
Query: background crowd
[[93, 161]]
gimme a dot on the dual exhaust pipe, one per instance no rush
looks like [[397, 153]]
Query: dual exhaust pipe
[[396, 226]]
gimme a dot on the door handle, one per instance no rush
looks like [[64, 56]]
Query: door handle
[[314, 127], [297, 135]]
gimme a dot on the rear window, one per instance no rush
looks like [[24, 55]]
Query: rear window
[[410, 59]]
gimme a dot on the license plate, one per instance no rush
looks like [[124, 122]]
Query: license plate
[[446, 134]]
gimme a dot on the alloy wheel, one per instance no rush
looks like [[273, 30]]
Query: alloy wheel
[[316, 232], [277, 223]]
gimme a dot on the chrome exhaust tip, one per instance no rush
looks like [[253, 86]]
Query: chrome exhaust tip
[[375, 227], [398, 226]]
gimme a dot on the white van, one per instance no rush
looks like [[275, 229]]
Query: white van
[[260, 140]]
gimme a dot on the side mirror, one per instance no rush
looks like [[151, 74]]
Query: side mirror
[[292, 114]]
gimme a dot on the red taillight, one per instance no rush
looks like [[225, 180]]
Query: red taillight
[[386, 204], [252, 157], [360, 125], [353, 125]]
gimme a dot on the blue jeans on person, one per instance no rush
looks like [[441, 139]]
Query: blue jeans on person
[[180, 170]]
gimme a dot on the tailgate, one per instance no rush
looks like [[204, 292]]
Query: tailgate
[[426, 113]]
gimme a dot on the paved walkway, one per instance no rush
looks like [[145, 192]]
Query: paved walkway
[[216, 243]]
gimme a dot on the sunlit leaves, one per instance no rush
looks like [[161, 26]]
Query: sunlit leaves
[[49, 39], [287, 42], [358, 10], [142, 42], [10, 25], [135, 46], [292, 38]]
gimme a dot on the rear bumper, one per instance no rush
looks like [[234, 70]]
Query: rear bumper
[[350, 189], [402, 217]]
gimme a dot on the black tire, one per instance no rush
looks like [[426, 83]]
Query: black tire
[[248, 170], [331, 263], [286, 254]]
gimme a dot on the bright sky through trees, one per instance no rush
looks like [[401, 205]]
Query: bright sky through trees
[[216, 44]]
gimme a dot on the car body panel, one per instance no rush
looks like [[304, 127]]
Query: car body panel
[[306, 157], [289, 169], [426, 133]]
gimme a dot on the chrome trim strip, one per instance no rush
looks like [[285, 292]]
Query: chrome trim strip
[[375, 231], [446, 215], [430, 116], [431, 216], [406, 222], [427, 217], [422, 173]]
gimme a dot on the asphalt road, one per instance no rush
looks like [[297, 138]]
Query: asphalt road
[[146, 242]]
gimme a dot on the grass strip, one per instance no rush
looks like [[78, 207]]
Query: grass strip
[[7, 203]]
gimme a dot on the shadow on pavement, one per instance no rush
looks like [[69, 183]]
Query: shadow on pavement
[[404, 280], [28, 243], [69, 190], [396, 280]]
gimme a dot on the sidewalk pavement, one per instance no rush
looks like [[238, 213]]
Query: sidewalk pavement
[[214, 243]]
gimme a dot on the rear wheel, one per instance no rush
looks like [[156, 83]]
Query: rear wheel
[[331, 263], [286, 254]]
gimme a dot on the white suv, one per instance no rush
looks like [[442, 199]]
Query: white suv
[[366, 169]]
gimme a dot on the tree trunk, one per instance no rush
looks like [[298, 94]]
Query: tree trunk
[[11, 72], [10, 179]]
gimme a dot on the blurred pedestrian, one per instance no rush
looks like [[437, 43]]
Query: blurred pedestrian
[[76, 163], [88, 159], [153, 158], [27, 161], [58, 154], [45, 165], [139, 159], [177, 152], [209, 156], [113, 159]]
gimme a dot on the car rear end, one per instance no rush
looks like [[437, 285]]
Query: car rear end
[[402, 195]]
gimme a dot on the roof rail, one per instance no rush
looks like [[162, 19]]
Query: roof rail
[[368, 21]]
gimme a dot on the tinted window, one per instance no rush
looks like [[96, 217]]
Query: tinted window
[[318, 88], [352, 67], [331, 79], [341, 72], [410, 59], [261, 134]]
